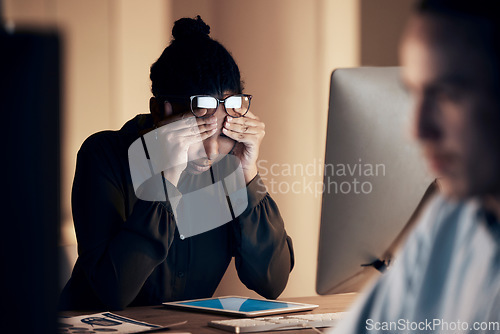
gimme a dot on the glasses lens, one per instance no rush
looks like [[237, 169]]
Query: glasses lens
[[237, 105], [203, 106]]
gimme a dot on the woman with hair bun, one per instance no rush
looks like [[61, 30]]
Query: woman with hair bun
[[162, 205]]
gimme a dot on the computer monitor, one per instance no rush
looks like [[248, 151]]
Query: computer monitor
[[374, 176], [30, 68]]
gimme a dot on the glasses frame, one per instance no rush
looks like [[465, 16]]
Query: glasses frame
[[174, 98]]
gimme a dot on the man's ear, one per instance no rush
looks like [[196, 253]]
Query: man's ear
[[159, 110]]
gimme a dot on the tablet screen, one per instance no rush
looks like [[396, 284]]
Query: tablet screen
[[238, 304], [242, 306]]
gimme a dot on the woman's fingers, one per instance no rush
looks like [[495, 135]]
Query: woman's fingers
[[244, 129], [249, 132], [240, 137], [250, 114], [245, 121], [207, 134], [185, 121], [199, 129], [188, 130]]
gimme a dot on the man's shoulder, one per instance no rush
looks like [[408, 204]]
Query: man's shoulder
[[446, 214], [444, 209]]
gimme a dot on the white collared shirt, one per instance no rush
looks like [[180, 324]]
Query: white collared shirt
[[445, 280]]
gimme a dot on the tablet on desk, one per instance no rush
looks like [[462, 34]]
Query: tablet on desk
[[241, 306]]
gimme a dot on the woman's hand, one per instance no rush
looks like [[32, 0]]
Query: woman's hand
[[248, 131], [176, 134]]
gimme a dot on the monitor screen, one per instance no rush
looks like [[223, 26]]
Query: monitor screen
[[374, 177]]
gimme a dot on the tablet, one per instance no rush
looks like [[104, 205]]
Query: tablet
[[240, 306]]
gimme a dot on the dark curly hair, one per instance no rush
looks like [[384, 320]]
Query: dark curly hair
[[194, 63], [478, 19]]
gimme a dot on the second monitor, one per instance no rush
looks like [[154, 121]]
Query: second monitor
[[374, 177]]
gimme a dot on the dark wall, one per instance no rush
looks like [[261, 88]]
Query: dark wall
[[382, 23]]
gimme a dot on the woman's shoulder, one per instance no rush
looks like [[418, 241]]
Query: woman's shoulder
[[116, 140], [101, 144]]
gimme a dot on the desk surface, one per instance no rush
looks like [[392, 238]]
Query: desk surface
[[197, 321]]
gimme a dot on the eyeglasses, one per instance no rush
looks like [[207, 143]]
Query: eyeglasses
[[203, 106], [234, 105]]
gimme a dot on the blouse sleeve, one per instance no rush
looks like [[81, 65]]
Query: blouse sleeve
[[116, 253], [263, 251]]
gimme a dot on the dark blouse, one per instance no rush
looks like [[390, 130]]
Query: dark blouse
[[130, 252]]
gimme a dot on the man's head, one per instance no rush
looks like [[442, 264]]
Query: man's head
[[450, 57]]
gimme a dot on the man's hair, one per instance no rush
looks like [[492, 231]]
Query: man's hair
[[194, 63], [478, 8], [480, 19]]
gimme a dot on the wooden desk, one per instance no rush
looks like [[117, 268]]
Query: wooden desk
[[197, 321]]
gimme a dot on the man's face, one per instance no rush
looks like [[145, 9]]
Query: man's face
[[456, 116]]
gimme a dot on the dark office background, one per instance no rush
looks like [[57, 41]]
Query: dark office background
[[286, 50]]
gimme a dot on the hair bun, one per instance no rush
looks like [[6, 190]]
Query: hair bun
[[186, 28]]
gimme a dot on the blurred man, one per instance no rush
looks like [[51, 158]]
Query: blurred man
[[447, 277]]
